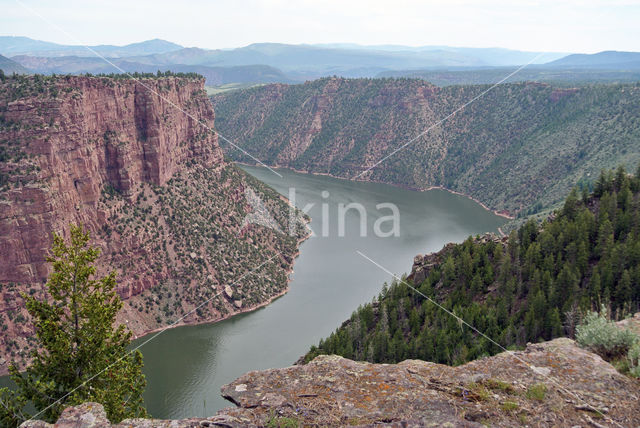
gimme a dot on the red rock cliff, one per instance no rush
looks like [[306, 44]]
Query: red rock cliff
[[135, 162], [103, 132]]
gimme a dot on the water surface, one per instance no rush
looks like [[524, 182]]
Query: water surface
[[186, 366]]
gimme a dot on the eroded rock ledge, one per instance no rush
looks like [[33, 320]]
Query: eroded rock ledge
[[550, 384]]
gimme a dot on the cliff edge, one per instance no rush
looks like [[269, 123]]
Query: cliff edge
[[136, 162], [554, 383]]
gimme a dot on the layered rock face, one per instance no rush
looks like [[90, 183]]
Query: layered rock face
[[100, 133], [549, 384], [135, 162]]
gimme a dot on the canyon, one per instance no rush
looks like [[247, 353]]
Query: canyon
[[518, 148], [136, 162]]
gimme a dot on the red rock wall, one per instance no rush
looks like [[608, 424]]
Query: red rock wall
[[103, 132]]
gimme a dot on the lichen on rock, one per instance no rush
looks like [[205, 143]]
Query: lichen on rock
[[554, 383]]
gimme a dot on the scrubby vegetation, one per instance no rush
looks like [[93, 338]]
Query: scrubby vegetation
[[601, 335], [158, 75], [530, 287], [561, 77], [520, 147], [192, 228], [17, 165]]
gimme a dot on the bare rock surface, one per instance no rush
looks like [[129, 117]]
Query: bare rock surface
[[554, 383], [632, 323]]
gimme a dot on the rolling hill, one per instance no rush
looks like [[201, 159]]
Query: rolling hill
[[214, 76], [9, 66], [298, 62], [312, 61]]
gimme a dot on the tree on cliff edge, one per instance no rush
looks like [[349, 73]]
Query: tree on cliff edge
[[81, 355]]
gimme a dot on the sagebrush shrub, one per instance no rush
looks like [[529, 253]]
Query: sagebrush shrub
[[602, 336], [634, 359]]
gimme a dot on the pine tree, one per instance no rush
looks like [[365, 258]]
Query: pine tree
[[623, 290], [81, 355], [553, 324], [533, 288]]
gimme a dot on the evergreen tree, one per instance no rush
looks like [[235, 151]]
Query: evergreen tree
[[623, 290], [533, 287], [82, 356]]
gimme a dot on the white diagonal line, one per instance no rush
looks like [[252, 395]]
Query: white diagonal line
[[460, 320], [447, 117], [200, 122], [150, 339]]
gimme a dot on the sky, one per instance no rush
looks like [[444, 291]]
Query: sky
[[584, 26]]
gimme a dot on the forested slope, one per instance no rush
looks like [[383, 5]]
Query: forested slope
[[519, 147], [529, 287]]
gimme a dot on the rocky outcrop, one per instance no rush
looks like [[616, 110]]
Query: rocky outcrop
[[549, 384], [134, 161], [423, 263], [632, 323]]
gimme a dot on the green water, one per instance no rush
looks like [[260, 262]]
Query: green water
[[186, 366]]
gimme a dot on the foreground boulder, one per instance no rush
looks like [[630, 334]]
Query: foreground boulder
[[554, 383]]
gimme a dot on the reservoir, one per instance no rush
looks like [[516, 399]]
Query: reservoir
[[186, 366]]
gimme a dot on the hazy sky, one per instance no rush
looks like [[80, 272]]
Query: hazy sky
[[545, 25]]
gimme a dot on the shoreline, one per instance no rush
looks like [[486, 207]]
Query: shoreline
[[284, 291], [260, 305], [503, 214], [4, 370]]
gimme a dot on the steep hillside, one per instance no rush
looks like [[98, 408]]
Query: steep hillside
[[548, 384], [529, 287], [9, 66], [519, 145], [151, 185]]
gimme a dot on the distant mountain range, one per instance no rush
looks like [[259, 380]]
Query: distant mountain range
[[215, 76], [602, 60], [9, 67], [11, 46], [276, 62]]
